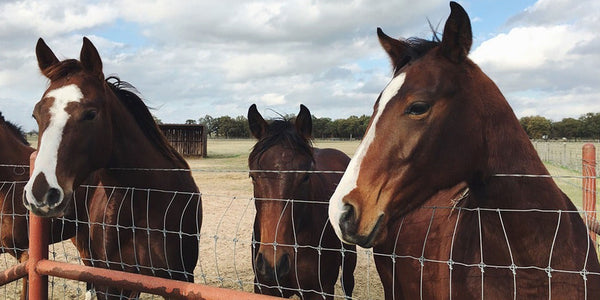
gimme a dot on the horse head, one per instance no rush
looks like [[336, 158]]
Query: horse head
[[73, 136], [277, 164], [427, 133]]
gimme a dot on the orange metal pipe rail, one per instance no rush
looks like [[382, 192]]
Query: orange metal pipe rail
[[142, 283], [15, 273]]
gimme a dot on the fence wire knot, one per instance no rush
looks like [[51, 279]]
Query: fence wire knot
[[583, 274], [482, 266], [450, 264], [513, 268], [422, 260], [549, 271]]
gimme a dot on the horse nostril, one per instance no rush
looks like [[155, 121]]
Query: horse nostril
[[53, 196], [283, 267], [348, 220], [260, 264], [349, 214]]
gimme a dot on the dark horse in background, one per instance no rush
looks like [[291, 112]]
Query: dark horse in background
[[14, 239], [425, 187], [150, 221], [291, 194]]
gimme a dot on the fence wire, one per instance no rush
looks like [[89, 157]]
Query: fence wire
[[226, 238]]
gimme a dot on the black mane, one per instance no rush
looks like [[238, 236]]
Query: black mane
[[17, 131], [128, 96], [282, 132]]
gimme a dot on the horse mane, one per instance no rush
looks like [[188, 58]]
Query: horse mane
[[282, 131], [128, 96], [17, 131]]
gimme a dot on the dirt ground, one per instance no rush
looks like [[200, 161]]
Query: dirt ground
[[225, 242]]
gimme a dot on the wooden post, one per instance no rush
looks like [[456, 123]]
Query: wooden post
[[38, 250], [589, 184]]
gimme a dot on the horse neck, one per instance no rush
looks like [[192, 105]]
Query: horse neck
[[511, 153], [131, 149]]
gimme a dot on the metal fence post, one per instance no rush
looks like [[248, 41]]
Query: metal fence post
[[589, 183], [38, 250]]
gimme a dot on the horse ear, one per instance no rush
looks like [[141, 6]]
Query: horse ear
[[457, 38], [45, 56], [258, 125], [398, 51], [90, 59], [304, 122]]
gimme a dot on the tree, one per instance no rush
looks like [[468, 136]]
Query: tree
[[590, 125], [209, 124], [566, 128], [536, 127], [190, 121]]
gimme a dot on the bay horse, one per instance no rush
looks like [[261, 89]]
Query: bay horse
[[291, 224], [434, 187], [14, 239], [149, 223]]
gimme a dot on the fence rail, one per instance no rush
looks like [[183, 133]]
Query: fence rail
[[227, 236]]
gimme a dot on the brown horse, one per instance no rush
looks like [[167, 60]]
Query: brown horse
[[150, 221], [14, 239], [295, 250], [426, 187]]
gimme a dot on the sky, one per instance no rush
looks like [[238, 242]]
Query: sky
[[189, 59]]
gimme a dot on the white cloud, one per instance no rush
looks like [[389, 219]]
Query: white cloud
[[527, 48], [218, 57], [548, 63]]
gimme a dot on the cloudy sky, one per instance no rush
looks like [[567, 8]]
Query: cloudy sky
[[193, 58]]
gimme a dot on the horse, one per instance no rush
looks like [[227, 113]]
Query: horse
[[441, 187], [292, 184], [149, 223]]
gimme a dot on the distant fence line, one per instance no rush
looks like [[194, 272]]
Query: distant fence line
[[566, 154]]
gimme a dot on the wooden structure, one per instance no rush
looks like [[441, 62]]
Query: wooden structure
[[187, 139]]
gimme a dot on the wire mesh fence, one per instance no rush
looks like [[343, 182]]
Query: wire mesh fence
[[226, 239], [564, 154]]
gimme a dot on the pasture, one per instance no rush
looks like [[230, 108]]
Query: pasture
[[225, 257]]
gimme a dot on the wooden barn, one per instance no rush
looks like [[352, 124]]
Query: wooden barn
[[187, 139]]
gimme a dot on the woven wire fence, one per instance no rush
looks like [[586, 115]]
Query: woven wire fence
[[226, 238], [563, 154]]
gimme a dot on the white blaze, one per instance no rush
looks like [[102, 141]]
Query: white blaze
[[45, 163], [350, 177]]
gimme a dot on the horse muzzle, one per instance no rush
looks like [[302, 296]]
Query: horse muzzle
[[44, 200], [276, 274], [353, 233]]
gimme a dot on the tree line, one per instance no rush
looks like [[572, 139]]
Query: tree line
[[537, 127], [352, 127], [585, 127]]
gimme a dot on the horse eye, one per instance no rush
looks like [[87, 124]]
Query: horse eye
[[418, 108], [89, 115]]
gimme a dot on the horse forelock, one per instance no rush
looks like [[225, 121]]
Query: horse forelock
[[62, 69], [281, 132]]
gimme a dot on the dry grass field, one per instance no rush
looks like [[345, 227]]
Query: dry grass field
[[228, 212]]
